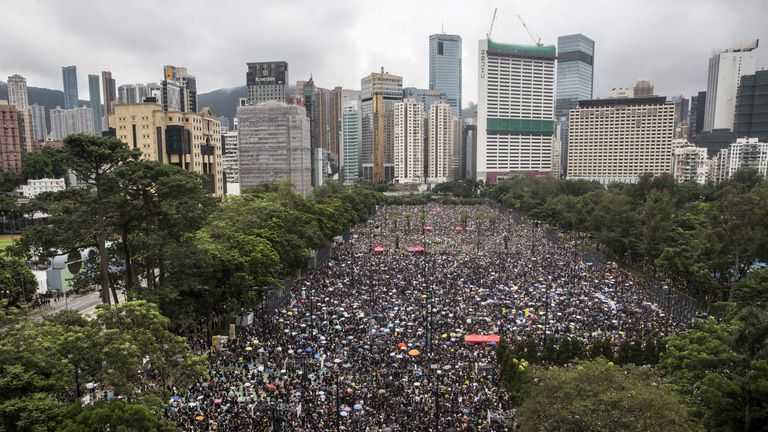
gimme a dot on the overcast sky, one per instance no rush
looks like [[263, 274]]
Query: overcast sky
[[339, 42]]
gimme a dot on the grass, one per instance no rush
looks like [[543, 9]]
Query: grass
[[6, 241]]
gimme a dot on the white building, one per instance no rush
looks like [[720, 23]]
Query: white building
[[39, 129], [409, 141], [68, 121], [725, 70], [35, 187], [743, 154], [273, 145], [440, 142], [230, 161], [689, 163], [17, 92], [617, 140], [350, 142], [621, 92], [515, 113]]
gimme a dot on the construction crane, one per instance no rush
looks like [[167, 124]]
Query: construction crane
[[493, 20], [536, 39]]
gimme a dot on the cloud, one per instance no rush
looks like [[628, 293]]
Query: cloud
[[339, 42]]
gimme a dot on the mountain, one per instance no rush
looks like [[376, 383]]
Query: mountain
[[223, 102]]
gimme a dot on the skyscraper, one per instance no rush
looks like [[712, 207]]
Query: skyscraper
[[445, 68], [267, 81], [69, 76], [575, 79], [273, 140], [696, 114], [10, 140], [110, 95], [94, 94], [186, 83], [379, 92], [441, 142], [725, 71], [17, 92], [515, 117], [350, 133], [643, 88], [425, 96], [409, 141], [751, 119], [65, 122], [39, 129]]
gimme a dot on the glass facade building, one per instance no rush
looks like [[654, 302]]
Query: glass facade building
[[445, 68], [69, 76], [94, 94]]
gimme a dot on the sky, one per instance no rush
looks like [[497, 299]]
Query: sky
[[340, 41]]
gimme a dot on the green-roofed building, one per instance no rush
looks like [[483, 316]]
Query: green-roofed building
[[515, 117]]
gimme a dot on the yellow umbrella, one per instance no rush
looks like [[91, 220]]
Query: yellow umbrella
[[256, 341], [414, 352], [249, 348]]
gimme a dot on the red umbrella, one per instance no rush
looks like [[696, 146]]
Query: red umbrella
[[473, 339], [378, 249], [428, 229], [418, 250], [458, 229], [271, 387]]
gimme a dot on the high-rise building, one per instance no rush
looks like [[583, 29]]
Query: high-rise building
[[350, 133], [172, 96], [267, 81], [751, 118], [441, 142], [94, 94], [745, 153], [575, 80], [10, 138], [425, 96], [39, 128], [643, 88], [445, 68], [69, 76], [110, 95], [273, 141], [186, 83], [515, 117], [65, 122], [230, 161], [696, 114], [409, 141], [726, 68], [339, 99], [617, 140], [17, 92], [379, 92], [689, 163], [190, 141], [469, 151]]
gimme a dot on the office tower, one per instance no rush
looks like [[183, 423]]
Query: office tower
[[190, 141], [751, 117], [425, 96], [154, 93], [267, 81], [10, 140], [230, 161], [575, 72], [39, 128], [110, 95], [441, 142], [273, 141], [126, 94], [726, 68], [445, 68], [409, 141], [696, 114], [745, 153], [69, 76], [94, 94], [17, 92], [617, 140], [469, 152], [379, 92], [65, 122], [186, 83], [316, 104], [172, 97], [689, 163], [339, 99], [350, 138], [515, 117], [681, 115], [643, 88]]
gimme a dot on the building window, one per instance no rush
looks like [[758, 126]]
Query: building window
[[439, 48]]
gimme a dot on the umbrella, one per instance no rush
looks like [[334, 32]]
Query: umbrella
[[217, 401], [458, 229], [414, 352], [317, 356], [344, 413], [199, 418], [271, 387], [249, 348], [175, 397], [358, 407], [378, 250], [428, 229], [308, 350], [401, 345]]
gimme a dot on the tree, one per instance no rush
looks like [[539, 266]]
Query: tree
[[722, 370], [91, 159], [17, 282], [752, 290], [657, 228], [46, 163], [599, 396], [115, 416]]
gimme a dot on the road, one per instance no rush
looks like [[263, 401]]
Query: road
[[85, 305]]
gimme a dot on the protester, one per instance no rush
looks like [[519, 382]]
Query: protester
[[374, 339]]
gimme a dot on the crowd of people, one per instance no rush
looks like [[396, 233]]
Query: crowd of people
[[374, 340]]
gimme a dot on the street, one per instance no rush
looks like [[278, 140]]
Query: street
[[84, 304]]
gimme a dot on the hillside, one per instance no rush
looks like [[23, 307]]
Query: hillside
[[42, 96], [223, 102]]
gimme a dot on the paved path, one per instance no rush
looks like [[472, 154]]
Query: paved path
[[84, 304]]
